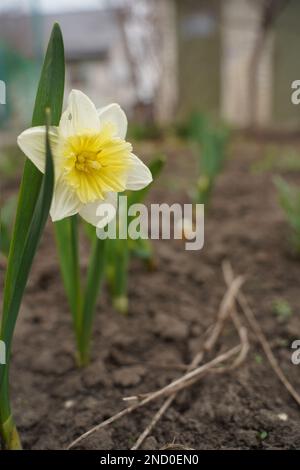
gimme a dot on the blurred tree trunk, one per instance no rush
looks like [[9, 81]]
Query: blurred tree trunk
[[138, 31], [122, 16], [167, 91], [270, 10]]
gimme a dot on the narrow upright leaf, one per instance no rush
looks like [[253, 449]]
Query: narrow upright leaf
[[49, 95], [9, 318], [33, 235]]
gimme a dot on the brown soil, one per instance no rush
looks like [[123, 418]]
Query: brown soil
[[170, 310]]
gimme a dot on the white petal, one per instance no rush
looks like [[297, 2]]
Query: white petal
[[139, 175], [80, 116], [65, 201], [114, 114], [33, 143], [99, 213]]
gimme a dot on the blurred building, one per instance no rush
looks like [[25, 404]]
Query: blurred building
[[216, 43], [98, 59], [163, 59]]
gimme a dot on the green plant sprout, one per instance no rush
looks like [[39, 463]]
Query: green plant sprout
[[34, 202], [289, 199], [282, 309], [120, 251], [210, 144], [262, 435]]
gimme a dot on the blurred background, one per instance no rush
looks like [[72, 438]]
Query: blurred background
[[160, 59]]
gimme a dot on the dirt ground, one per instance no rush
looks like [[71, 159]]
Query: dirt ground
[[171, 308]]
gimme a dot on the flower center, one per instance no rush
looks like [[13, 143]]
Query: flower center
[[87, 161], [94, 164]]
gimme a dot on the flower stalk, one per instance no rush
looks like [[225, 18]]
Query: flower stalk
[[94, 279]]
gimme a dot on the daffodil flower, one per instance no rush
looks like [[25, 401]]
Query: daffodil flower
[[92, 160]]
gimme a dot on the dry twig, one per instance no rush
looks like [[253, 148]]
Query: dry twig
[[176, 385], [194, 372], [249, 314], [226, 309]]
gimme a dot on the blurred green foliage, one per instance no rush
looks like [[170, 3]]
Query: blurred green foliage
[[7, 213], [140, 132], [11, 161], [120, 251], [282, 309], [289, 199], [210, 141], [276, 158]]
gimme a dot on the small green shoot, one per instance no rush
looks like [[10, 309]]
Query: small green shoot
[[258, 359], [120, 251], [210, 142], [262, 435], [282, 309]]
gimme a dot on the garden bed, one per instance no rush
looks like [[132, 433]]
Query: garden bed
[[171, 309]]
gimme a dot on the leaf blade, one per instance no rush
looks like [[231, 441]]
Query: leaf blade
[[52, 75]]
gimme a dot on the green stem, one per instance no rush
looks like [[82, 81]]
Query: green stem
[[121, 259], [94, 278], [66, 234], [9, 435], [77, 298], [8, 431]]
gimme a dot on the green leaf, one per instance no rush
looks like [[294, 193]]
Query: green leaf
[[10, 315], [66, 234], [4, 239], [49, 95], [33, 206], [89, 230], [121, 267], [94, 278], [34, 233]]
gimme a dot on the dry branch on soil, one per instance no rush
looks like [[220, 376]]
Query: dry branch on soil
[[249, 314], [227, 308], [194, 373], [176, 385]]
